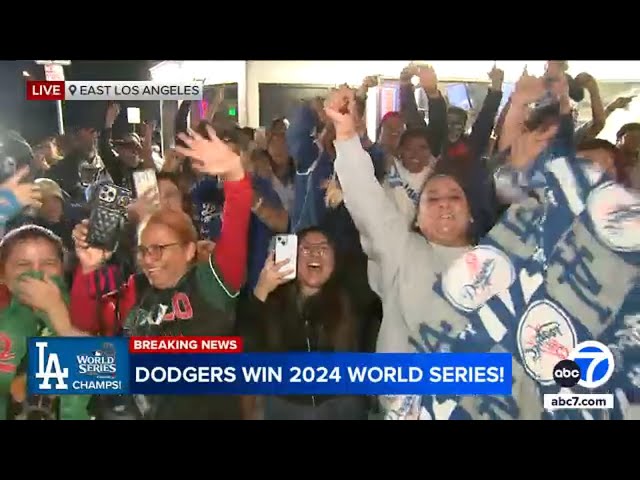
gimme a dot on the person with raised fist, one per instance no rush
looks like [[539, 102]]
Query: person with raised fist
[[409, 262]]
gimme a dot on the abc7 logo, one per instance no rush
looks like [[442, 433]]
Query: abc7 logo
[[590, 365]]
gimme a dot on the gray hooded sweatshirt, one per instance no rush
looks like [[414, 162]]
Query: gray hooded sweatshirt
[[405, 262]]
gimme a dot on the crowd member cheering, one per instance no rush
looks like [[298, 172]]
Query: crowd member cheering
[[407, 263], [176, 295], [34, 295], [313, 313], [417, 207]]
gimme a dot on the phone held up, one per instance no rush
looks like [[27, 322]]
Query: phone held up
[[546, 111], [286, 248], [145, 182], [109, 204]]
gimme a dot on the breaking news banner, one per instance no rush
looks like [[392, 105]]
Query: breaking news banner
[[215, 365], [114, 91]]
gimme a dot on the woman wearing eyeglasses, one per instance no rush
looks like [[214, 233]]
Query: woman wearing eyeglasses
[[312, 313], [175, 294]]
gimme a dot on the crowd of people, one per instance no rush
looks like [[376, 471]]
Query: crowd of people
[[501, 236]]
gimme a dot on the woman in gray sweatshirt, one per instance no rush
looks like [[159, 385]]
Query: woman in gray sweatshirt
[[416, 319]]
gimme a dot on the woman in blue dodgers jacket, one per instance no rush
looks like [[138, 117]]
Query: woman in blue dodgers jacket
[[466, 299]]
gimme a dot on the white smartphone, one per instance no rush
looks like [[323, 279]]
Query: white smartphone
[[286, 247], [144, 181], [133, 115]]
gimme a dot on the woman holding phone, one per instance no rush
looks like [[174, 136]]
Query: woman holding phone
[[311, 313], [175, 294]]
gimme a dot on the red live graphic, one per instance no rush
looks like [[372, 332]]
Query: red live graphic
[[42, 90], [185, 344]]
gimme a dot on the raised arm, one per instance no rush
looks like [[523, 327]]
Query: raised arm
[[105, 147], [147, 146], [100, 299], [231, 250], [437, 109], [408, 106], [212, 156], [483, 126], [382, 229], [182, 117], [300, 138], [15, 195], [268, 207]]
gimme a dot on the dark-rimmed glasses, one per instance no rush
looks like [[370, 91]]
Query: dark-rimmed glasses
[[154, 251]]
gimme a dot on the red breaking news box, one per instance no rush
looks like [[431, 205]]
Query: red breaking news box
[[42, 90], [185, 344]]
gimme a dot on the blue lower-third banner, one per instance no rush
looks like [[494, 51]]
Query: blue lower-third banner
[[106, 366]]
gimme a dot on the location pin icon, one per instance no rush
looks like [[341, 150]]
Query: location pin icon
[[72, 89]]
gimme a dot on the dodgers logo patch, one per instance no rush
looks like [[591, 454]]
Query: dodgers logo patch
[[476, 277], [615, 213], [545, 336]]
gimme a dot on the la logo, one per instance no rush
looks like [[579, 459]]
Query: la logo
[[50, 370]]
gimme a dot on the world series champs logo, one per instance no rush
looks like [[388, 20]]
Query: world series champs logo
[[77, 366]]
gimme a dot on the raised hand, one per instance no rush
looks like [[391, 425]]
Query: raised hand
[[620, 102], [428, 79], [370, 82], [408, 72], [211, 156], [556, 68], [144, 205], [528, 90], [496, 76], [527, 146], [586, 80], [333, 193], [27, 194], [271, 277], [340, 108], [113, 110], [91, 258]]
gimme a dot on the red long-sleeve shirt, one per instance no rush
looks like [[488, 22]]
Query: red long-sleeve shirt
[[100, 301]]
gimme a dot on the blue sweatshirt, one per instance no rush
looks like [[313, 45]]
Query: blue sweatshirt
[[208, 202], [313, 168], [207, 198]]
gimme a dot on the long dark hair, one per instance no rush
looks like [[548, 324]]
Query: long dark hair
[[329, 313]]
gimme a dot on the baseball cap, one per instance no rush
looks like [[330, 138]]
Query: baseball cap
[[131, 139], [49, 188]]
